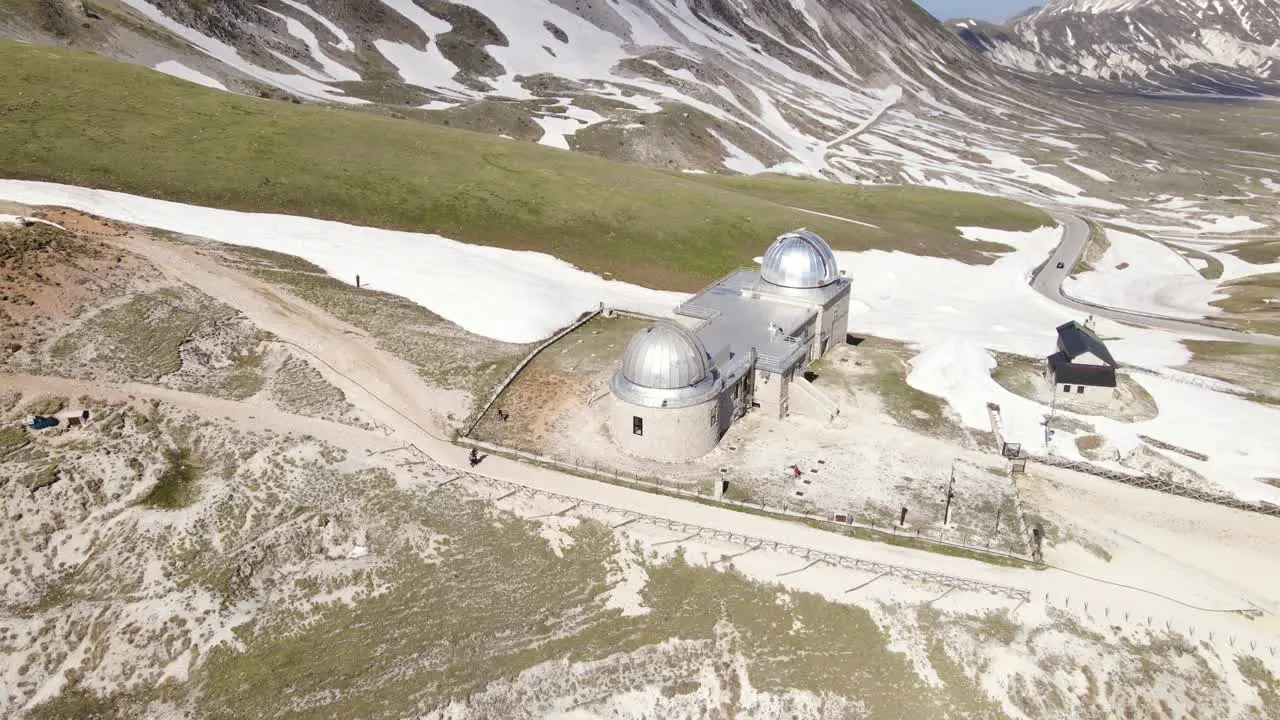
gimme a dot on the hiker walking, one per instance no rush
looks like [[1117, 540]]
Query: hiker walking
[[357, 282], [475, 457]]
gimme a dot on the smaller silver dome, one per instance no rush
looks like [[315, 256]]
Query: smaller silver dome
[[665, 356], [799, 259]]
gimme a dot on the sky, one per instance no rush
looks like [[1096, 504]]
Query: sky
[[993, 10]]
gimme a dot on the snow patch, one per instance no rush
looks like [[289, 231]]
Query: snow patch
[[1144, 276], [178, 70]]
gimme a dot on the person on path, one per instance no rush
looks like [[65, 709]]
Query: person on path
[[475, 457], [357, 282], [795, 471]]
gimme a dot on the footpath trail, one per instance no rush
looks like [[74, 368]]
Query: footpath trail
[[242, 414], [389, 391]]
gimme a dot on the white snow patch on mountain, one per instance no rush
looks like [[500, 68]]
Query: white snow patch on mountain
[[178, 70], [344, 41], [332, 70], [1227, 225], [424, 68], [300, 84], [738, 160], [1089, 172]]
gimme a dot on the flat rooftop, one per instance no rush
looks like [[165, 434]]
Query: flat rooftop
[[737, 312]]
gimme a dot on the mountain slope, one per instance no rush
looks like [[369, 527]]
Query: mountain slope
[[849, 91], [1199, 46]]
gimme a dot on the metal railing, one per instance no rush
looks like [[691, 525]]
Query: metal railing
[[1151, 482], [693, 491], [750, 541], [502, 387]]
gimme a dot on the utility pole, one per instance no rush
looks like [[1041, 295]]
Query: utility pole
[[946, 513], [1053, 410]]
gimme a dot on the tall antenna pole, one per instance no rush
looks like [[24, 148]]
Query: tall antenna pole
[[946, 513]]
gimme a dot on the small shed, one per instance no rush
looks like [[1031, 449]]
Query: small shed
[[1082, 368]]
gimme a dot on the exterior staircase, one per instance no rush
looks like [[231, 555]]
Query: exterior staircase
[[809, 400]]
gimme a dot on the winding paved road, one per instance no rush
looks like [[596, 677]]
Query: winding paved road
[[1075, 236]]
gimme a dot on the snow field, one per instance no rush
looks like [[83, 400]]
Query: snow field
[[1142, 275]]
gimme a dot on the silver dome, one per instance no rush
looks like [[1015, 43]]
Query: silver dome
[[665, 356], [799, 259]]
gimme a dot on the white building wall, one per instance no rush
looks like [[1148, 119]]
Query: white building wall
[[840, 327], [772, 393], [669, 434], [835, 319], [1090, 393]]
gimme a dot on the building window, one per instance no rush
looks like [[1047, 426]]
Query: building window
[[637, 425], [1066, 388], [1079, 389]]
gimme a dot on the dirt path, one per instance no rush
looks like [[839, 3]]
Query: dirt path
[[350, 357], [244, 414]]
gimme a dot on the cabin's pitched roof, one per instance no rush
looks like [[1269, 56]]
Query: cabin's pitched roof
[[1075, 340]]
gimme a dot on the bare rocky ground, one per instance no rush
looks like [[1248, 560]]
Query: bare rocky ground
[[239, 533]]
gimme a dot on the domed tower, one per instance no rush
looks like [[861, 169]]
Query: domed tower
[[666, 396], [800, 260], [801, 265]]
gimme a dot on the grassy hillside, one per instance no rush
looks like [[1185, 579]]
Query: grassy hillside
[[74, 118]]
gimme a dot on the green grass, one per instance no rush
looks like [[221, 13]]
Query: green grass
[[1247, 304], [74, 118], [45, 405], [513, 604], [1255, 367], [144, 337], [913, 219], [1259, 252], [13, 438], [908, 406], [176, 487]]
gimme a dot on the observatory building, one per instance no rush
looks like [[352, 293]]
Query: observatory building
[[735, 346]]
